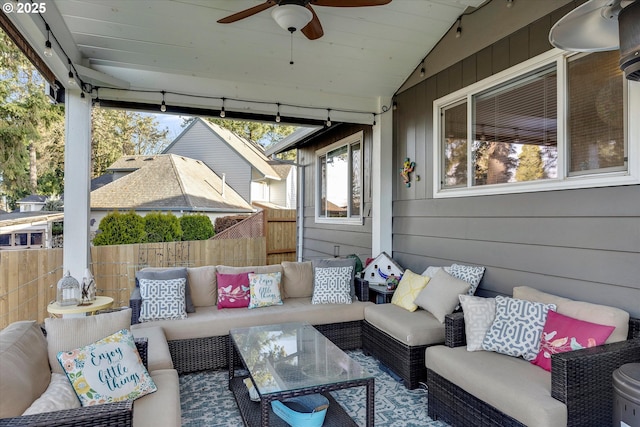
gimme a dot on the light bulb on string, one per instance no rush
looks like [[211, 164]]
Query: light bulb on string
[[71, 80], [96, 102], [48, 51], [222, 112], [328, 123], [278, 114], [163, 106]]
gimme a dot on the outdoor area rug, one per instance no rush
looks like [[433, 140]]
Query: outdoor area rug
[[206, 400]]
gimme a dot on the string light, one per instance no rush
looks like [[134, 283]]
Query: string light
[[509, 3], [163, 106], [278, 113], [71, 80], [422, 70], [96, 102], [374, 119], [459, 29], [222, 113], [48, 51], [395, 106], [328, 122], [83, 98]]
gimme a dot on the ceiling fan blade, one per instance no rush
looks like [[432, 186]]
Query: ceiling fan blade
[[590, 27], [313, 30], [349, 3], [247, 12]]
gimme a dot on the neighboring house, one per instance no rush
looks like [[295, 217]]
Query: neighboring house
[[242, 164], [28, 230], [32, 203], [165, 183], [548, 193]]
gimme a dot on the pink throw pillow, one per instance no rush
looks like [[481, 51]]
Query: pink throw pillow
[[562, 334], [233, 290]]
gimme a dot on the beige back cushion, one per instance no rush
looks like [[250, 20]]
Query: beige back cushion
[[204, 287], [258, 269], [594, 313], [24, 367], [297, 279], [70, 333]]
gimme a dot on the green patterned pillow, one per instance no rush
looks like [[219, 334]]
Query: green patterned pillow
[[264, 289], [109, 370]]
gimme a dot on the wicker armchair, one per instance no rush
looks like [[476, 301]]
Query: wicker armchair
[[110, 414], [580, 379]]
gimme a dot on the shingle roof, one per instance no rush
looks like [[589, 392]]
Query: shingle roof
[[130, 163], [281, 168], [169, 182], [33, 198]]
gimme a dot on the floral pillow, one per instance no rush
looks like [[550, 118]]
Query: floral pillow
[[109, 370], [562, 333], [265, 289], [233, 290]]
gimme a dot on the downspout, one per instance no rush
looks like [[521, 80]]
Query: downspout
[[300, 210]]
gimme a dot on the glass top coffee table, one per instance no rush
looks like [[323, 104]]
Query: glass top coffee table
[[289, 360]]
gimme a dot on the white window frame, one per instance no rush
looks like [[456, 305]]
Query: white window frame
[[563, 181], [350, 220]]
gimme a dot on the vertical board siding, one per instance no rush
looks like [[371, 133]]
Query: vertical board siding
[[583, 244], [320, 239]]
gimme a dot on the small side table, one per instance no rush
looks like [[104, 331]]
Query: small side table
[[382, 294], [100, 303]]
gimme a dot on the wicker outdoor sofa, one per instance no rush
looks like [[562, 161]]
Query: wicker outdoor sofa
[[26, 369], [581, 380], [201, 341]]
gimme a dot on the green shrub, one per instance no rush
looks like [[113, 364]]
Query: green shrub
[[162, 227], [196, 227], [120, 229]]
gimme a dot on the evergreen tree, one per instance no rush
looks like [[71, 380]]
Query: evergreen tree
[[26, 119], [530, 164]]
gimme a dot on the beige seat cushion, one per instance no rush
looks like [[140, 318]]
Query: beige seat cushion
[[69, 333], [297, 279], [409, 327], [204, 286], [510, 384], [158, 355], [161, 408], [211, 321], [594, 313], [24, 367]]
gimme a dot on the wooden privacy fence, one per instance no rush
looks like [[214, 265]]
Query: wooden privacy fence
[[28, 278]]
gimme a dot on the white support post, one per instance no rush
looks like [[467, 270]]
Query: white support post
[[382, 184], [77, 183]]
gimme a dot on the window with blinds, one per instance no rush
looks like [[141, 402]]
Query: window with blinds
[[596, 114], [548, 123]]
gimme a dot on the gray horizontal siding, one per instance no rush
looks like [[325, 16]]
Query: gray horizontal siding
[[199, 142], [583, 244], [320, 238]]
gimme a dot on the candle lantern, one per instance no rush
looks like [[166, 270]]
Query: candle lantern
[[68, 290]]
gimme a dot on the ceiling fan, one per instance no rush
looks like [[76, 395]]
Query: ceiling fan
[[295, 15], [600, 25]]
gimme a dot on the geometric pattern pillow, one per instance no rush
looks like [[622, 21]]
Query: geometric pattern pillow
[[332, 285], [340, 262], [479, 314], [468, 273], [517, 327], [563, 333], [233, 290], [265, 289], [408, 289], [166, 273], [109, 370], [162, 299]]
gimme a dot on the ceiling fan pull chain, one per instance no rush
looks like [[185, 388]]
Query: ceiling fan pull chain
[[291, 52]]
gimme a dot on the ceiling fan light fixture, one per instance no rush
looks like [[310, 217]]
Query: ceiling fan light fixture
[[292, 17]]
